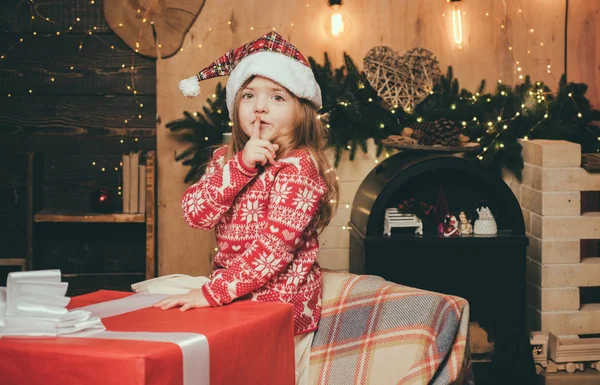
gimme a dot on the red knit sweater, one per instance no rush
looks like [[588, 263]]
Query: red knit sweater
[[264, 225]]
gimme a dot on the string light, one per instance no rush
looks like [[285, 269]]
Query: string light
[[458, 36]]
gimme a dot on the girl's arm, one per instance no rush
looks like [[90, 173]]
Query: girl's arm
[[294, 200], [205, 202]]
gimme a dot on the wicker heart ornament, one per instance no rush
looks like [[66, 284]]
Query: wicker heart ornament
[[405, 80]]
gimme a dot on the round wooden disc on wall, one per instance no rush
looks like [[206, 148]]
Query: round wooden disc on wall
[[152, 27]]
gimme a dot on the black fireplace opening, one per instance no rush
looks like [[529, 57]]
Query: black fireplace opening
[[486, 270]]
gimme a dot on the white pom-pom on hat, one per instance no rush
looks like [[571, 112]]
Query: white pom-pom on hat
[[190, 87]]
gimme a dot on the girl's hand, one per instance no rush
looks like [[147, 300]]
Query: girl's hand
[[194, 299], [256, 151]]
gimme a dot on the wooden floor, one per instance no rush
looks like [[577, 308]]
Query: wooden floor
[[587, 377]]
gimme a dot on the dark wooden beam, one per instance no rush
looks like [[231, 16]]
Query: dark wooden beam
[[92, 123], [15, 16], [95, 69]]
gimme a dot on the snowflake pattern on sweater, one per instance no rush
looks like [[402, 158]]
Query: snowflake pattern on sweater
[[264, 225]]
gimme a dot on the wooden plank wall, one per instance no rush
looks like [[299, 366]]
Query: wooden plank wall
[[497, 35], [583, 48], [75, 114]]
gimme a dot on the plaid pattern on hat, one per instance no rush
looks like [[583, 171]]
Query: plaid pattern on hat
[[271, 42]]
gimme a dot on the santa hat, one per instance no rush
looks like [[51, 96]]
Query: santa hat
[[269, 56]]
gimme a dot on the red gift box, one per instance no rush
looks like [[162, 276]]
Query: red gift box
[[249, 343]]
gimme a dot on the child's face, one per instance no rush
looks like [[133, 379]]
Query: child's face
[[273, 103]]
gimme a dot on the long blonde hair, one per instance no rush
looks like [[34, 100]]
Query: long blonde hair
[[308, 132]]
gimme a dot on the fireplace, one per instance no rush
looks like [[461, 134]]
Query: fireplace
[[488, 271]]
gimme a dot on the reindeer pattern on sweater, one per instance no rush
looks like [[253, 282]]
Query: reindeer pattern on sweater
[[265, 230]]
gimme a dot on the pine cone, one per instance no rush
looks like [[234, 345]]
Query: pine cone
[[442, 132]]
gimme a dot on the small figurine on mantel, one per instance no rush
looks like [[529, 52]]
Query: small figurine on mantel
[[486, 224], [451, 226], [464, 225]]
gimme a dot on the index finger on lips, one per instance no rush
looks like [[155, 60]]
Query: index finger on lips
[[256, 128]]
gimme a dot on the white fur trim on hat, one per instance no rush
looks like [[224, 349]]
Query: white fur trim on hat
[[289, 72], [190, 87]]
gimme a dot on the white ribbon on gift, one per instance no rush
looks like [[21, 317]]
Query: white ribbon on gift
[[122, 305], [194, 346]]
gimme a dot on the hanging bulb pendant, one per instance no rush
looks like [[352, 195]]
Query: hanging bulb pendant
[[337, 22], [457, 28]]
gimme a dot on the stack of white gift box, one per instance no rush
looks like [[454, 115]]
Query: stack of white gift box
[[34, 304]]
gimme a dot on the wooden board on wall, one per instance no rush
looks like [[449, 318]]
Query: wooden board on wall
[[66, 120], [15, 16], [583, 47], [485, 54], [95, 69], [75, 120]]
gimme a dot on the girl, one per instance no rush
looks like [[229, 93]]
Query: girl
[[270, 192]]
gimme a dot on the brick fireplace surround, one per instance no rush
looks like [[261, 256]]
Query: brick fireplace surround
[[562, 257]]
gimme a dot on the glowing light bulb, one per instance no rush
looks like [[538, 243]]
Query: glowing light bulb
[[338, 24], [457, 28]]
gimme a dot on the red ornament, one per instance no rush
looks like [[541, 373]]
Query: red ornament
[[102, 201]]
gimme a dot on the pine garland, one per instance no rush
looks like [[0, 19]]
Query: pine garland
[[203, 132], [528, 111], [352, 110], [354, 113]]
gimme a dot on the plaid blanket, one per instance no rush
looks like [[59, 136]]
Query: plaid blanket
[[377, 332]]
